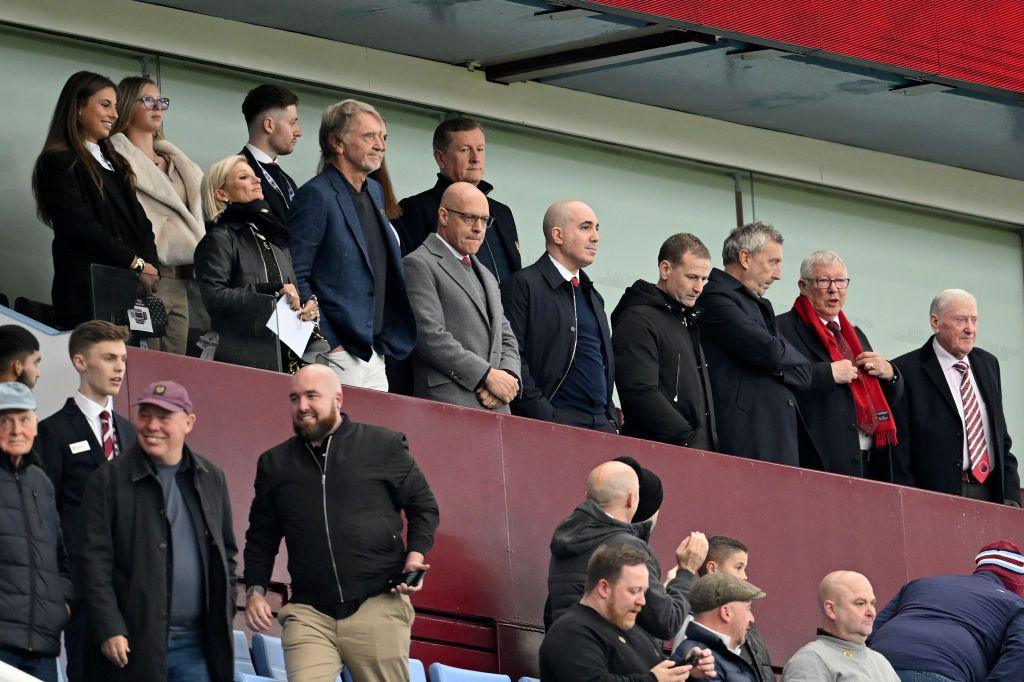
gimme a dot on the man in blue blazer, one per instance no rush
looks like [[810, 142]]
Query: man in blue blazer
[[347, 254]]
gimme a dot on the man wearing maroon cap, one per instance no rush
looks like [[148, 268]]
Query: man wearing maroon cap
[[158, 554], [959, 627]]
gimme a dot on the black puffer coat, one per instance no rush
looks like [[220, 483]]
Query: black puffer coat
[[34, 585]]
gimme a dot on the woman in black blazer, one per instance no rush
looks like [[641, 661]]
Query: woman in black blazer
[[243, 265], [84, 192]]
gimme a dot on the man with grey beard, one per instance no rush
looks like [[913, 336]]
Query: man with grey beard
[[337, 489]]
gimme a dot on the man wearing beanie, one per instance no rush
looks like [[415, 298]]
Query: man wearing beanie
[[622, 498], [722, 616], [959, 627]]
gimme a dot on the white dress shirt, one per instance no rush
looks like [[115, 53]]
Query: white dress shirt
[[97, 154], [260, 155], [726, 639], [92, 411], [451, 248], [866, 441], [946, 362], [564, 271]]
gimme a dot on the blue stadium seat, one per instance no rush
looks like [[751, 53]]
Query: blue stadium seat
[[243, 661], [528, 679], [446, 673], [245, 677], [416, 671], [268, 657]]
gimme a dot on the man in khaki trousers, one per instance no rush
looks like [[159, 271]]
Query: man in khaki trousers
[[336, 492]]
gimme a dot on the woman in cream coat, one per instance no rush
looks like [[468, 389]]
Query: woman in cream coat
[[167, 186]]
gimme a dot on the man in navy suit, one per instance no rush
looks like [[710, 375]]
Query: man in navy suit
[[953, 436], [78, 439], [347, 254]]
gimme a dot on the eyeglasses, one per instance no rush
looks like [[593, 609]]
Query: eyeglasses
[[825, 282], [471, 219], [152, 103]]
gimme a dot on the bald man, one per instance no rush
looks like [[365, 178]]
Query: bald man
[[466, 353], [336, 492], [559, 320], [848, 608], [608, 516]]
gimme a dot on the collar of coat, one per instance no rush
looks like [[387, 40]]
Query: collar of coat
[[141, 466], [554, 278], [444, 183]]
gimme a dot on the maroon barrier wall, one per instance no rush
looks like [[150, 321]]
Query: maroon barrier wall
[[503, 483]]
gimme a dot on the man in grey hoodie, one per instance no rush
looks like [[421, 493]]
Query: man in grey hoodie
[[621, 507]]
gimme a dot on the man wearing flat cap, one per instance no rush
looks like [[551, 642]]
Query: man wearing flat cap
[[158, 554], [722, 615], [621, 507], [33, 603]]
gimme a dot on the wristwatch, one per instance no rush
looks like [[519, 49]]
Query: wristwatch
[[138, 265], [256, 589]]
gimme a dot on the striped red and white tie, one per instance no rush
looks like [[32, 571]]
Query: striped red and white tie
[[974, 430], [107, 431]]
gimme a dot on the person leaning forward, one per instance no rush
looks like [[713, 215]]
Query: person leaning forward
[[336, 492]]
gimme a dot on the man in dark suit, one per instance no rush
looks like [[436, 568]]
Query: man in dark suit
[[953, 436], [272, 117], [347, 254], [460, 150], [466, 353], [78, 439], [846, 405], [559, 321], [753, 369]]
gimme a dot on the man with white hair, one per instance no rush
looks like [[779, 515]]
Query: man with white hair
[[953, 436], [846, 405]]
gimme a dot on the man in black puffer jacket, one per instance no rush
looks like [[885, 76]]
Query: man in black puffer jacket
[[616, 496], [34, 586], [659, 365]]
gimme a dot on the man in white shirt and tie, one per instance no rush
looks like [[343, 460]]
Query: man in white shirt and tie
[[272, 117], [79, 438], [957, 441]]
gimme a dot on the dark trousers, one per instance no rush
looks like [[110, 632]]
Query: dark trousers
[[921, 676], [186, 658], [75, 637], [583, 420], [43, 667], [975, 491]]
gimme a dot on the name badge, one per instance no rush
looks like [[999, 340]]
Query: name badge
[[80, 446]]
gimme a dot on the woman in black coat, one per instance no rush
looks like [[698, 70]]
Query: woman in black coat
[[84, 192], [243, 266]]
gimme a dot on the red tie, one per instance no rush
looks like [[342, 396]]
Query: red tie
[[575, 281], [974, 430], [466, 261], [107, 432]]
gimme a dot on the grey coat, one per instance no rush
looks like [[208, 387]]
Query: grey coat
[[460, 335]]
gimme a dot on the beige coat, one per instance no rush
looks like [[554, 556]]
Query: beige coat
[[177, 227]]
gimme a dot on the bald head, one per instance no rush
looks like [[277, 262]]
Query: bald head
[[615, 487], [847, 603], [320, 375], [561, 214], [571, 234], [316, 401], [462, 217]]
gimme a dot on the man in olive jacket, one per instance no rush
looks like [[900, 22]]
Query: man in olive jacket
[[158, 554]]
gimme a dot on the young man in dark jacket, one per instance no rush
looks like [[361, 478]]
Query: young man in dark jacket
[[616, 497], [336, 492], [35, 588], [659, 364]]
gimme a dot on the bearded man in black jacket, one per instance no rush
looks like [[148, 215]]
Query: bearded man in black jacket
[[336, 492], [659, 365]]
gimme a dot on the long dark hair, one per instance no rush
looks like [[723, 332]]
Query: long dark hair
[[65, 134], [391, 208]]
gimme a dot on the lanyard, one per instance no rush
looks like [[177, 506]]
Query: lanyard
[[270, 180]]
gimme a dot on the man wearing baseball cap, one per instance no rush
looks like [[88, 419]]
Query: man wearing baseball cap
[[158, 554], [721, 618], [959, 627], [36, 588]]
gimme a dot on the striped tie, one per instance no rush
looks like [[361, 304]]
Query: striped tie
[[974, 430], [107, 430]]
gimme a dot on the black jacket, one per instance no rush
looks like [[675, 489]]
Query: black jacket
[[828, 409], [539, 305], [584, 647], [576, 538], [930, 451], [419, 219], [728, 666], [234, 283], [753, 373], [368, 480], [126, 565], [755, 653], [278, 202], [69, 470], [660, 370], [34, 586], [109, 228]]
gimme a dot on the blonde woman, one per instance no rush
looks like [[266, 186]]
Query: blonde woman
[[243, 264], [167, 185]]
